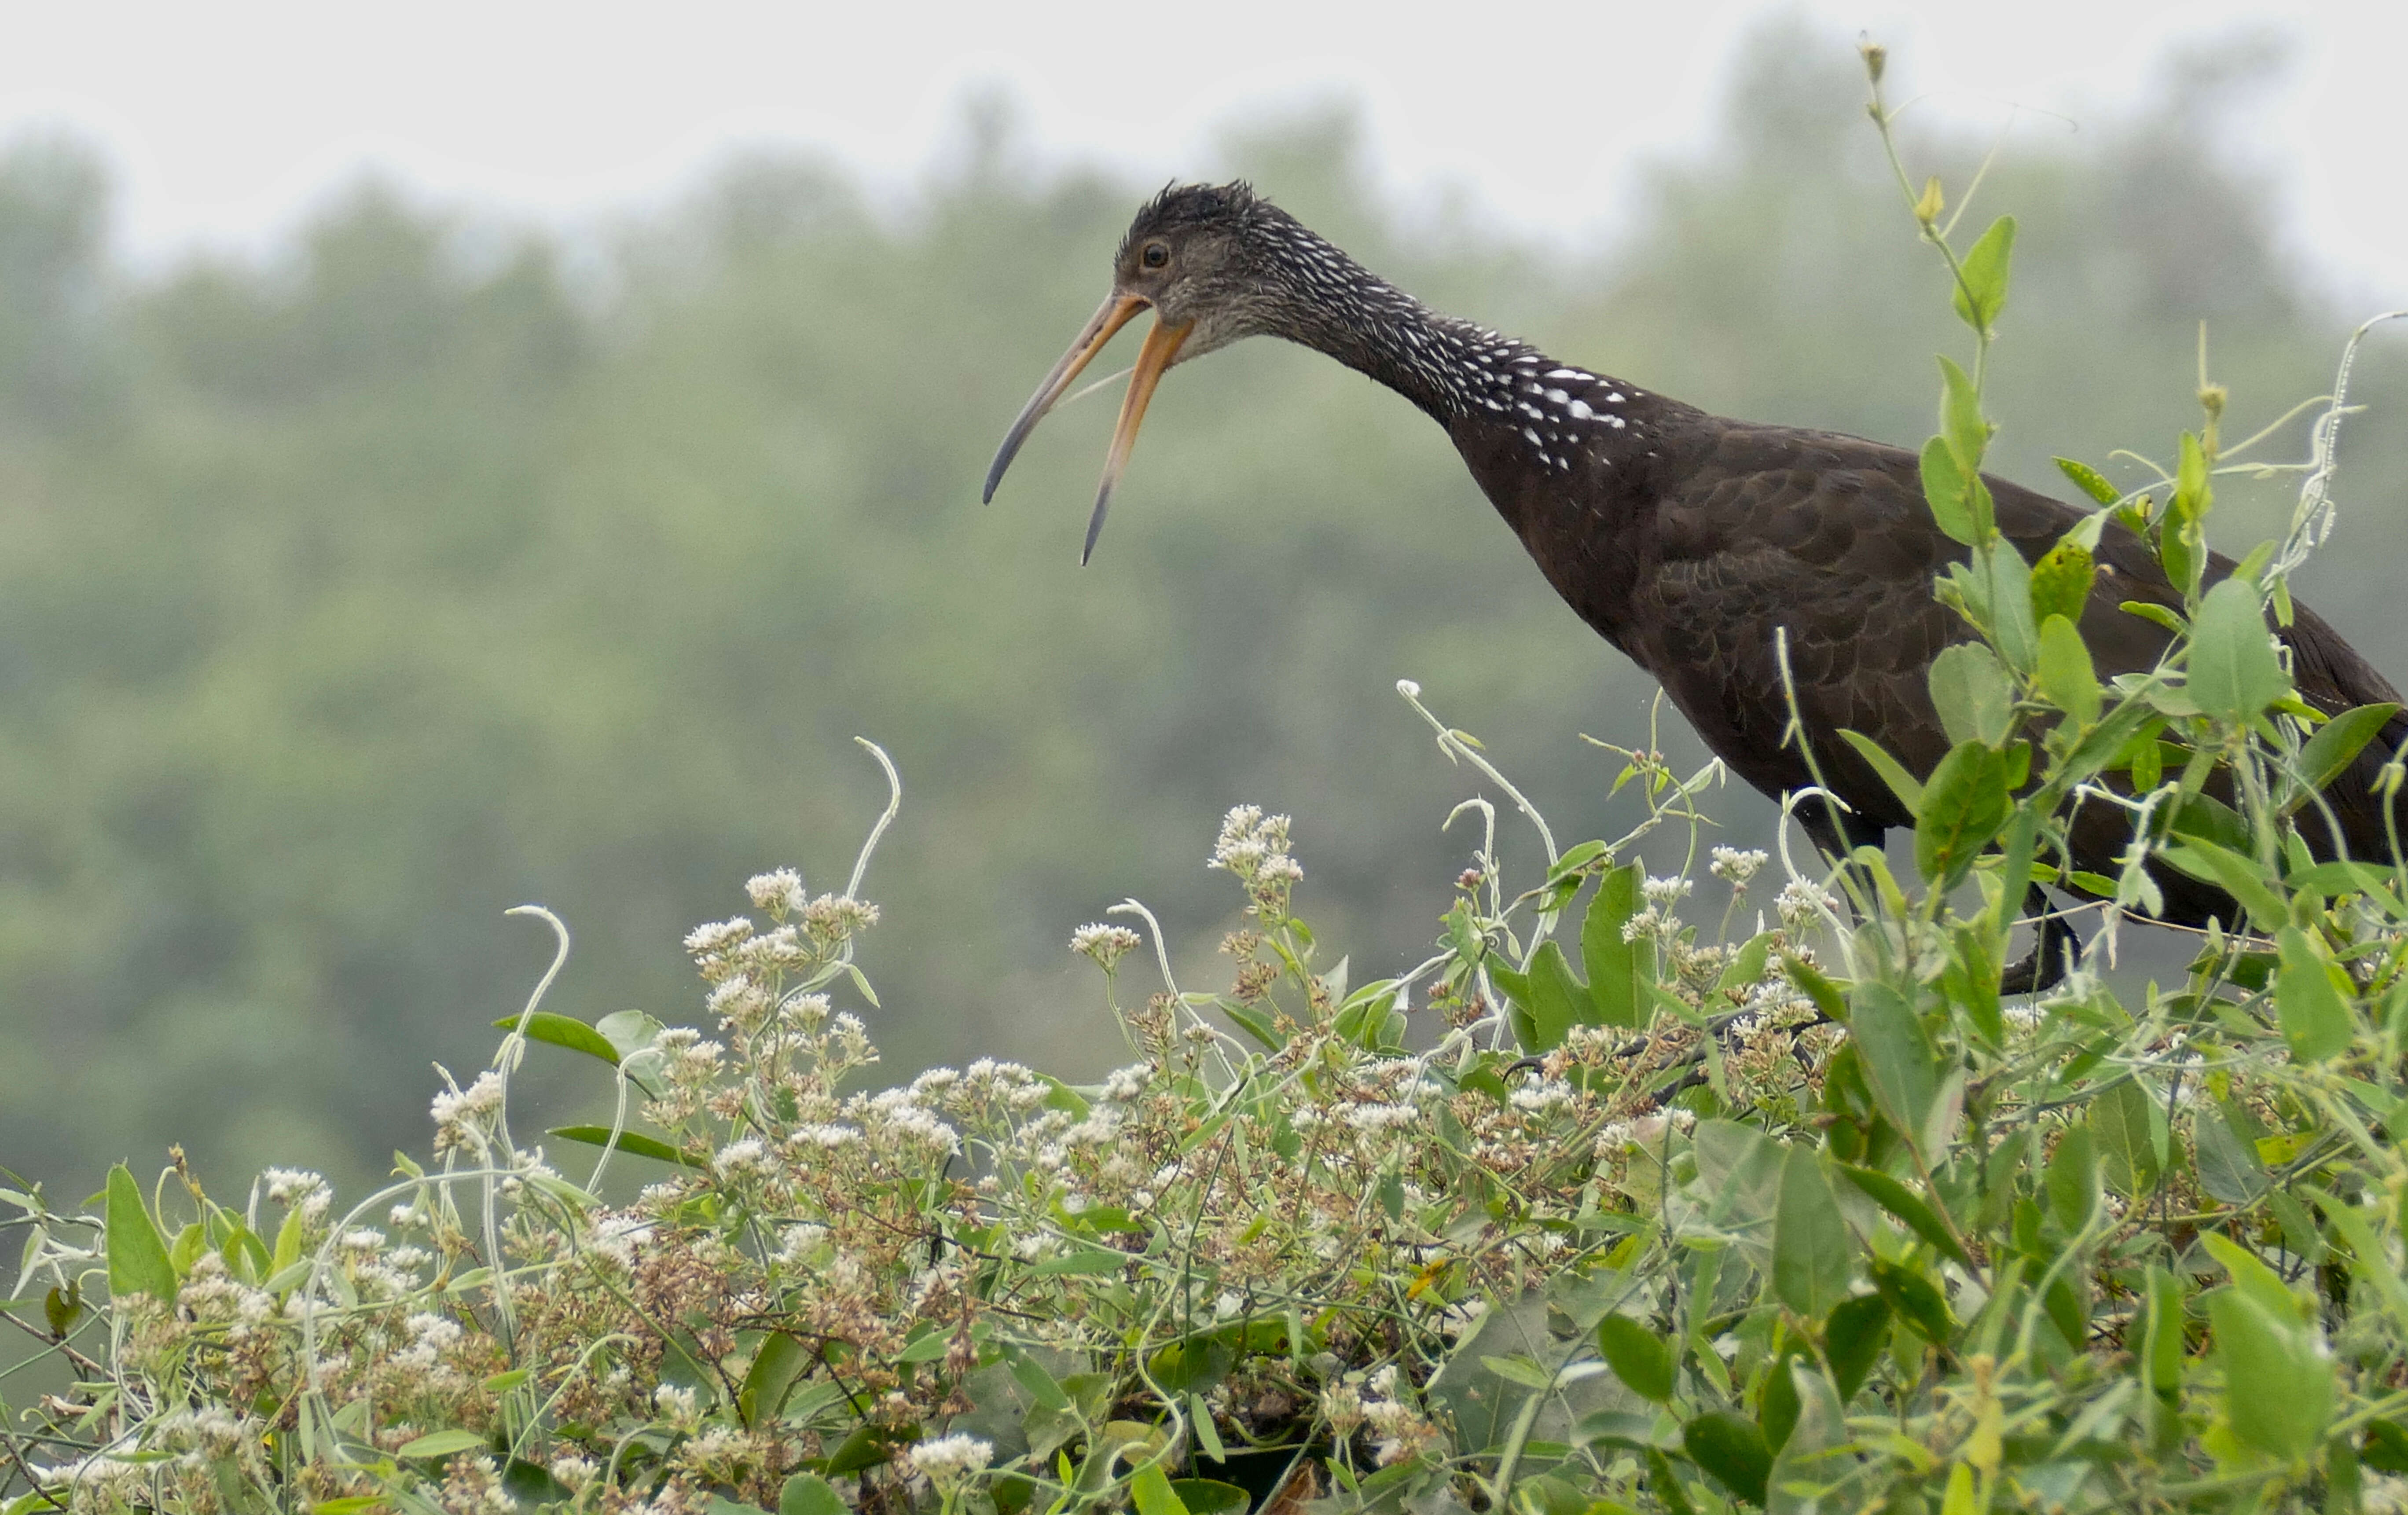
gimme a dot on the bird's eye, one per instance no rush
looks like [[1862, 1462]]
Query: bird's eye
[[1156, 255]]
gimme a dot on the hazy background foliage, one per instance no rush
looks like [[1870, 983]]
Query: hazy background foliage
[[347, 601]]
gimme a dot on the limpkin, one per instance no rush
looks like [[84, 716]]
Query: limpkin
[[1686, 539]]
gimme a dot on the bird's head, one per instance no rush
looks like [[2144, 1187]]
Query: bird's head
[[1202, 259]]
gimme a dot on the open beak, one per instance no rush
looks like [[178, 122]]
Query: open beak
[[1160, 350]]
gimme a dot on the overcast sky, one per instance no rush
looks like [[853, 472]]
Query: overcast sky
[[226, 121]]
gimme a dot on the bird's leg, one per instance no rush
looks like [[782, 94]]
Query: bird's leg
[[2053, 951]]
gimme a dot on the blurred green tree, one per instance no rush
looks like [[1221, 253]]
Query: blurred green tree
[[353, 597]]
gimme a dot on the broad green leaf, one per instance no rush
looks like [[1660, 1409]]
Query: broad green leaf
[[1982, 284], [2238, 875], [807, 1494], [564, 1031], [1901, 1067], [1973, 694], [1853, 1341], [2073, 1179], [1732, 1452], [1619, 972], [1151, 1492], [137, 1254], [2234, 671], [1944, 492], [444, 1444], [628, 1141], [2278, 1377], [1964, 804], [1811, 1251], [2066, 675], [2060, 582], [1638, 1358], [1521, 1371], [1917, 1300], [1548, 1001], [2344, 879], [2119, 1133], [1891, 772], [2325, 756], [1960, 418], [2089, 480], [1209, 1496], [630, 1032], [777, 1363], [2005, 583], [2228, 1166], [2371, 1258], [1031, 1376], [2310, 1000]]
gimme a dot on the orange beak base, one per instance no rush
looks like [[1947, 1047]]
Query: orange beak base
[[1152, 360]]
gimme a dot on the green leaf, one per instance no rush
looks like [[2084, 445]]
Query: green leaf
[[1890, 770], [1080, 1263], [2089, 480], [1619, 972], [628, 1141], [1960, 418], [1732, 1452], [1030, 1375], [1973, 693], [1559, 1000], [1851, 1341], [2066, 675], [2387, 1448], [1901, 1067], [2161, 1342], [2310, 1000], [564, 1031], [1944, 489], [807, 1494], [2238, 875], [2234, 671], [2325, 756], [2337, 878], [2119, 1133], [2004, 581], [2228, 1166], [2278, 1377], [1917, 1300], [1982, 276], [1811, 1251], [444, 1444], [2073, 1179], [1964, 804], [777, 1363], [1151, 1490], [2193, 493], [137, 1254], [1210, 1496], [1521, 1371], [2060, 582], [1638, 1358]]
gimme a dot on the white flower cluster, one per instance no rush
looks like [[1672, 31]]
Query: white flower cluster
[[1736, 867], [948, 1461], [1106, 944], [1254, 846], [780, 891], [464, 1118]]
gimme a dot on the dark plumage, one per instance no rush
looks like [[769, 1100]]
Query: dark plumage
[[1686, 539]]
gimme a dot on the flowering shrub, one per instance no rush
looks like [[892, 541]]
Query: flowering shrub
[[1600, 1207]]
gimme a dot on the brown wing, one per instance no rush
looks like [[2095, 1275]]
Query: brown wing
[[1764, 530]]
